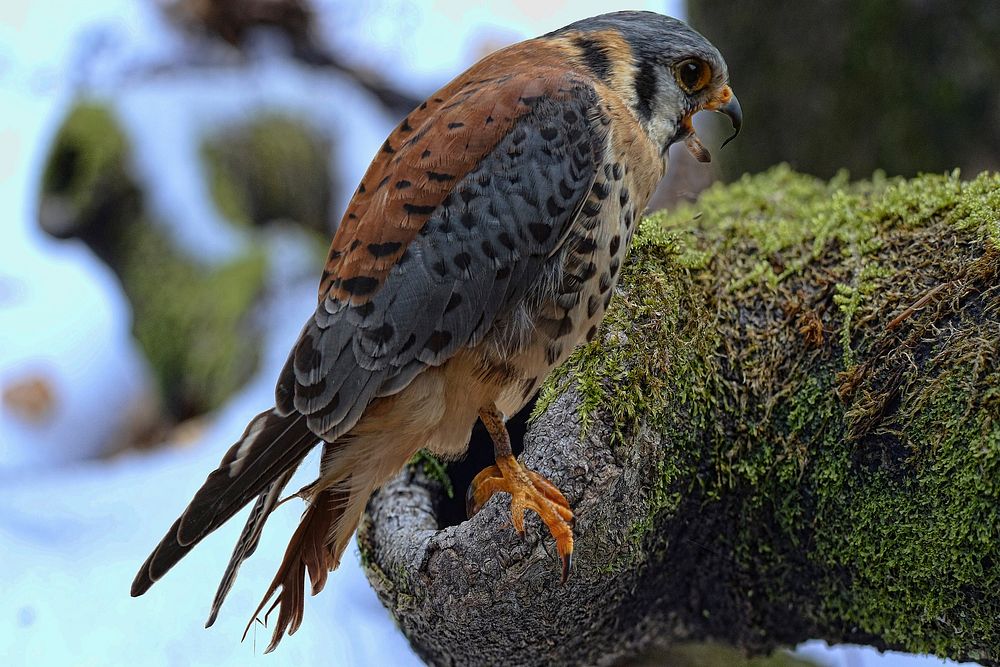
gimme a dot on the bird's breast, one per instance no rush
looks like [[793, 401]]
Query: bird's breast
[[566, 306]]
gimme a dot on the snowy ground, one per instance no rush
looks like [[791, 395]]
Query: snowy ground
[[71, 540], [72, 531]]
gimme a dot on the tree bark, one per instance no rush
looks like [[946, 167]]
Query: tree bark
[[788, 428]]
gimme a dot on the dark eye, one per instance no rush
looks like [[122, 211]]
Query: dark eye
[[693, 75]]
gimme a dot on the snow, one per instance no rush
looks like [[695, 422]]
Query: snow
[[80, 346], [71, 541], [419, 48], [74, 530]]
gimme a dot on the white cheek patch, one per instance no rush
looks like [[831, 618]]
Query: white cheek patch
[[669, 106]]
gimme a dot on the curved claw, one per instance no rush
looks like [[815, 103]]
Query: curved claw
[[567, 566], [471, 508], [481, 489], [528, 490]]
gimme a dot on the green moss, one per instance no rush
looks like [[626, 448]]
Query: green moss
[[821, 361], [271, 168], [87, 150], [648, 314], [434, 469], [376, 574], [85, 182], [192, 321]]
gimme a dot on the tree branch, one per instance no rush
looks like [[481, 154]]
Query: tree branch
[[788, 428]]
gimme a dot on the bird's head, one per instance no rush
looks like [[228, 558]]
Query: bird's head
[[665, 71]]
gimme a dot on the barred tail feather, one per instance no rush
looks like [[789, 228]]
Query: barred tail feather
[[269, 449], [247, 543]]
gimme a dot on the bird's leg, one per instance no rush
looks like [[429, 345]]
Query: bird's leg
[[528, 490]]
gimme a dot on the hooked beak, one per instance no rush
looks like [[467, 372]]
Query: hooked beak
[[735, 112], [725, 103]]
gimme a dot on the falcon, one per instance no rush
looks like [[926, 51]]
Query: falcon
[[482, 246]]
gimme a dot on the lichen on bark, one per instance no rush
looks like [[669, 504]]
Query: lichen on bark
[[787, 428]]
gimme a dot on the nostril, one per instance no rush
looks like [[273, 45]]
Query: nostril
[[452, 511]]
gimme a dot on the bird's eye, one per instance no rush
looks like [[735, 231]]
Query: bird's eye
[[693, 75]]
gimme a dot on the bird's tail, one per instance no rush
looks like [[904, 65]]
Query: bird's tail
[[247, 543], [258, 465], [315, 548]]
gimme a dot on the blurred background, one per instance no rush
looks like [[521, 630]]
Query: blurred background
[[170, 174]]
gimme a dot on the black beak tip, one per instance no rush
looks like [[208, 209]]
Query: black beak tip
[[734, 111]]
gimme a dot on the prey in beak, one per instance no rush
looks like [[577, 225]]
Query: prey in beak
[[725, 103]]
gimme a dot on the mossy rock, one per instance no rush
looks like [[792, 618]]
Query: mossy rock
[[191, 319], [787, 428], [273, 167]]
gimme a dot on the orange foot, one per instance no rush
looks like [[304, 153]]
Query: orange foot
[[528, 490]]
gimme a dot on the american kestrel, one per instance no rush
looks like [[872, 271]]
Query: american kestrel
[[482, 246]]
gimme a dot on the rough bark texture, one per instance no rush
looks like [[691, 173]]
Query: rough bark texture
[[789, 428]]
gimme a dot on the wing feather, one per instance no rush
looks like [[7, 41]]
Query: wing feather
[[474, 256], [271, 445]]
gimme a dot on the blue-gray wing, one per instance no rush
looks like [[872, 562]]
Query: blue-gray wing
[[476, 257]]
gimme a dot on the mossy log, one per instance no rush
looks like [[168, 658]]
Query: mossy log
[[788, 428]]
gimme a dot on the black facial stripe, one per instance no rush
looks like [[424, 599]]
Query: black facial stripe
[[680, 133], [645, 89], [594, 57]]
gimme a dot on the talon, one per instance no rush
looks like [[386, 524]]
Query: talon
[[567, 566], [517, 516], [483, 486], [471, 508], [528, 490]]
